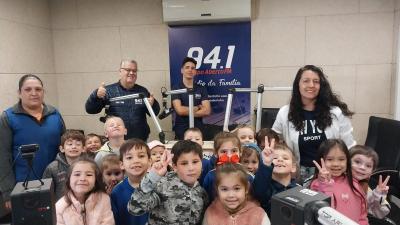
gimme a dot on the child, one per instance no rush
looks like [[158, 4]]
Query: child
[[135, 157], [173, 197], [227, 147], [232, 205], [85, 201], [194, 134], [115, 131], [111, 170], [250, 157], [71, 147], [93, 143], [156, 150], [266, 132], [364, 160], [275, 173], [333, 177], [245, 133]]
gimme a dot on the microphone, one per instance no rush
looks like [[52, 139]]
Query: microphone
[[106, 112], [328, 215], [165, 113]]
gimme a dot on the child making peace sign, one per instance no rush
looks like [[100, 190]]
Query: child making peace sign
[[334, 178]]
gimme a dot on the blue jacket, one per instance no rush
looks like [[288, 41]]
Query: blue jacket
[[207, 166], [264, 186], [132, 111], [120, 197], [19, 128]]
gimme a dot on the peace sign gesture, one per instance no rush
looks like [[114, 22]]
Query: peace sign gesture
[[161, 167], [382, 187], [324, 175], [268, 152]]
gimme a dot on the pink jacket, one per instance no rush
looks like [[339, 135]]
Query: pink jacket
[[251, 214], [343, 199], [96, 211]]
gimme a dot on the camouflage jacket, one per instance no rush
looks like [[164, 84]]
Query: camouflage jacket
[[168, 200]]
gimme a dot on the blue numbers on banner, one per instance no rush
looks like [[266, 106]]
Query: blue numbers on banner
[[212, 57]]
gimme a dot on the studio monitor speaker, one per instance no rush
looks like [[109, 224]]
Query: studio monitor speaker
[[34, 205]]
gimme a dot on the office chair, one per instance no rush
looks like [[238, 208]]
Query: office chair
[[268, 117], [384, 136]]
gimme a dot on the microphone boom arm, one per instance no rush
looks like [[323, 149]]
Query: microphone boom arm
[[190, 92]]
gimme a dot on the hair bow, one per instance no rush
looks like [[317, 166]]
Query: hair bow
[[224, 158]]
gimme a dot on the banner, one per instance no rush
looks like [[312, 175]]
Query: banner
[[222, 52]]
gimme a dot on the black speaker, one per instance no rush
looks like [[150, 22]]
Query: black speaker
[[34, 205], [292, 206]]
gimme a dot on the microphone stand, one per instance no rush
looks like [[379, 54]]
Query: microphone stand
[[166, 111], [29, 159], [260, 90], [190, 92]]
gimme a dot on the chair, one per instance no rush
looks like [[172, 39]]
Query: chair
[[268, 117], [211, 130], [384, 136]]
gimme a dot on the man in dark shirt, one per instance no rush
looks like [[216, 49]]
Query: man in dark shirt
[[132, 111], [180, 102]]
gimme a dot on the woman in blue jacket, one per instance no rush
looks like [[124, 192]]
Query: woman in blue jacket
[[30, 121]]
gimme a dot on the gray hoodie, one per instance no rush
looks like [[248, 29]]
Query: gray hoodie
[[58, 171]]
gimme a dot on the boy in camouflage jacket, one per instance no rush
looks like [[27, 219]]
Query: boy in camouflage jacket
[[173, 197]]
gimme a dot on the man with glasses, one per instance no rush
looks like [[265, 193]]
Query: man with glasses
[[132, 111]]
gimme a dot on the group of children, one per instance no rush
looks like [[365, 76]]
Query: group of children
[[133, 182]]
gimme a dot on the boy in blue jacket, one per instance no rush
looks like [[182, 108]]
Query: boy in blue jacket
[[275, 173], [135, 157]]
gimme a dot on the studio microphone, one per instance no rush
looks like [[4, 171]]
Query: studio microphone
[[165, 113], [327, 215]]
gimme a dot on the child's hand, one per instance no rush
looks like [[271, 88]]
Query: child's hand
[[268, 152], [110, 187], [324, 175], [161, 167], [8, 205], [382, 187]]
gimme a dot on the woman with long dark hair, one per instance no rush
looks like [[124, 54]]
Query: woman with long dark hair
[[314, 114]]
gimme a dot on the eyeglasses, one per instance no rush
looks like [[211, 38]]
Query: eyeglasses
[[130, 70]]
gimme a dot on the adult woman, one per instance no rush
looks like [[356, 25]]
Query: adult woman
[[30, 121], [314, 114]]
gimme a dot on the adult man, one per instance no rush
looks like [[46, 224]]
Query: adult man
[[180, 102], [132, 111]]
